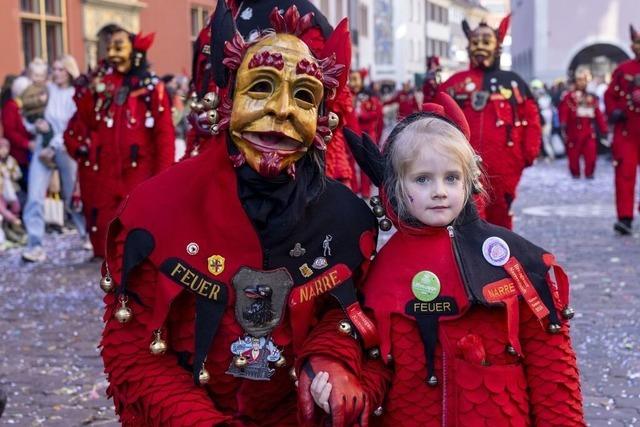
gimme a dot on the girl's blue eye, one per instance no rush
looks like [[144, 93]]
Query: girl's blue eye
[[452, 178], [421, 179]]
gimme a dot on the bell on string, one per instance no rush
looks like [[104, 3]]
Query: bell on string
[[511, 350], [123, 313], [212, 117], [345, 327], [568, 313], [281, 362], [385, 224], [158, 345], [215, 129], [210, 100], [149, 121], [378, 211], [197, 107], [554, 328], [240, 361], [333, 120], [106, 283], [375, 200], [379, 411], [374, 353], [328, 137], [432, 381], [203, 376]]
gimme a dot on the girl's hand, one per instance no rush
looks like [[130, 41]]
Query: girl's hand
[[321, 389]]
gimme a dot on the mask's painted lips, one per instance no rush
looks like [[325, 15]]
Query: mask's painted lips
[[273, 141]]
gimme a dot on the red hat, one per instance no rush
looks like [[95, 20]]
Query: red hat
[[445, 108]]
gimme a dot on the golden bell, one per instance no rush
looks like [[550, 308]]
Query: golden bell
[[374, 353], [212, 117], [385, 225], [123, 314], [333, 120], [375, 200], [197, 106], [203, 376], [281, 362], [378, 211], [106, 284], [240, 362], [554, 328], [568, 313], [158, 345], [210, 100], [344, 327]]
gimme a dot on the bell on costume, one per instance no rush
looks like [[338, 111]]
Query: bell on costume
[[378, 210], [568, 313], [333, 120], [106, 283], [158, 345], [554, 328], [203, 376], [345, 327], [123, 313], [432, 381]]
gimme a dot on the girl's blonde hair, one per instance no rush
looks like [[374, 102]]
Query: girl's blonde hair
[[69, 63], [401, 149]]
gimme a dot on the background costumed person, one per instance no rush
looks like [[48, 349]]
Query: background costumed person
[[131, 119], [406, 100], [502, 114], [472, 317], [250, 16], [432, 79], [622, 101], [82, 144], [250, 245], [369, 115], [581, 122]]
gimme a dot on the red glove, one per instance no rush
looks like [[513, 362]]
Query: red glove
[[348, 400]]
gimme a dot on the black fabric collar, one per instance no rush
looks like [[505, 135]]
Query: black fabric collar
[[276, 206]]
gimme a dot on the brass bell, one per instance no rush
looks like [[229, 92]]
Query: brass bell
[[212, 117], [293, 375], [378, 211], [281, 362], [123, 313], [197, 107], [432, 381], [240, 362], [378, 411], [385, 224], [374, 353], [215, 129], [328, 137], [333, 120], [210, 100], [554, 328], [158, 345], [512, 351], [375, 200], [345, 327], [568, 313], [106, 283], [203, 376]]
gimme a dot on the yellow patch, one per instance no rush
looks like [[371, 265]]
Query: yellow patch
[[215, 264], [506, 92]]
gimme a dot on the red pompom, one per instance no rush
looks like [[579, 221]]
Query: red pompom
[[472, 349]]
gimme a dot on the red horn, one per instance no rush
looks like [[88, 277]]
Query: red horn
[[143, 43], [503, 28]]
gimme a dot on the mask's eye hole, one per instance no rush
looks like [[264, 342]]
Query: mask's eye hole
[[305, 96], [262, 87]]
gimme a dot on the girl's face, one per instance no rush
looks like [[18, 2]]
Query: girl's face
[[434, 187]]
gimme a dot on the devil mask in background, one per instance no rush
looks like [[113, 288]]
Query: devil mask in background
[[485, 43]]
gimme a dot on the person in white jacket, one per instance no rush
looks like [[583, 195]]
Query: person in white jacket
[[59, 110]]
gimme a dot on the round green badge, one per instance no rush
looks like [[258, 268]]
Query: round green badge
[[425, 286]]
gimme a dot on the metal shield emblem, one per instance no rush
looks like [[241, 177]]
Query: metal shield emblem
[[260, 299], [215, 264], [479, 100]]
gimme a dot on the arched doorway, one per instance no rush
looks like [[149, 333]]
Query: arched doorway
[[600, 58]]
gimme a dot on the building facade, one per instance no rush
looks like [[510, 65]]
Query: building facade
[[553, 38]]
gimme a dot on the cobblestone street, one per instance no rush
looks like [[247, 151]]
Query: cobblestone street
[[50, 313]]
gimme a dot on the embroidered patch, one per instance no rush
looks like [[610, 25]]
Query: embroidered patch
[[442, 306], [215, 264], [305, 270], [324, 283], [425, 286], [320, 263], [188, 277]]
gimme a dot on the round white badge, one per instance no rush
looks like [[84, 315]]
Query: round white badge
[[193, 248], [496, 251]]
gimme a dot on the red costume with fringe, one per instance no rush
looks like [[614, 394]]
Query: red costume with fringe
[[506, 127], [132, 122], [179, 270], [583, 122], [622, 101]]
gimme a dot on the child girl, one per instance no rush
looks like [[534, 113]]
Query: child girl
[[471, 316]]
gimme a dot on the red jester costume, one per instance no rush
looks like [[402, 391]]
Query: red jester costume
[[472, 318], [250, 16], [131, 117], [211, 299], [503, 115], [622, 100]]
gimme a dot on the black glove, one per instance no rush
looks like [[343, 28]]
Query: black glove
[[367, 154], [617, 116]]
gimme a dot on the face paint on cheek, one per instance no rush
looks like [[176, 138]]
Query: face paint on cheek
[[410, 198]]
